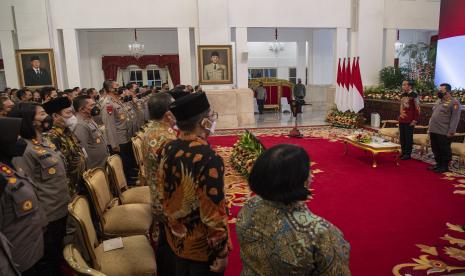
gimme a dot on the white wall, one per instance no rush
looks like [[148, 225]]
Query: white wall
[[412, 14], [115, 42]]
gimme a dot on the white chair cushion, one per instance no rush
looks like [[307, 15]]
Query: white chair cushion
[[389, 131], [127, 220], [136, 195]]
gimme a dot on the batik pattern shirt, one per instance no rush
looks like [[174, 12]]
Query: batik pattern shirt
[[278, 239], [192, 175], [66, 142], [155, 137]]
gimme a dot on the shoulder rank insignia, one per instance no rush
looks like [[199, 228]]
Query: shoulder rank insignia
[[27, 205], [6, 170], [52, 171]]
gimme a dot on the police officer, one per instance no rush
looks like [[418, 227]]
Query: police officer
[[442, 127], [215, 70], [63, 138], [87, 131], [21, 219], [137, 104], [46, 167], [118, 128], [299, 90], [408, 118]]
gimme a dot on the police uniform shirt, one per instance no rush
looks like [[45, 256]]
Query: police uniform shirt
[[7, 266], [21, 219], [215, 72], [116, 120], [133, 126], [91, 138], [445, 117], [46, 168]]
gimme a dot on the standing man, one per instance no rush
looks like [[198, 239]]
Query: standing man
[[299, 90], [118, 128], [442, 127], [158, 133], [192, 176], [87, 131], [66, 142], [260, 93], [35, 75], [215, 70], [408, 118]]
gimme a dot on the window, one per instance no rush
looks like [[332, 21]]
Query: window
[[135, 75], [154, 78], [256, 73], [293, 75]]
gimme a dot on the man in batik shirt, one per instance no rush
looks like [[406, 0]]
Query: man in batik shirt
[[66, 141], [192, 175]]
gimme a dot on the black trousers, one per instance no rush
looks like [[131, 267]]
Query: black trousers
[[166, 259], [193, 268], [440, 144], [129, 163], [406, 138], [50, 263], [261, 104]]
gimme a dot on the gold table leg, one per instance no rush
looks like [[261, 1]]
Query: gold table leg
[[374, 161]]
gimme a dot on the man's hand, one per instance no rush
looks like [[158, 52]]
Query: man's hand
[[413, 123], [219, 265], [450, 134], [116, 149]]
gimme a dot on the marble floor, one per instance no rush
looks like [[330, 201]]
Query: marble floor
[[310, 117]]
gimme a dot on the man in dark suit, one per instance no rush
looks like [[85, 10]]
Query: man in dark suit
[[36, 76]]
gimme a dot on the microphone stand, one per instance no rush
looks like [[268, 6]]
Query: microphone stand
[[295, 133]]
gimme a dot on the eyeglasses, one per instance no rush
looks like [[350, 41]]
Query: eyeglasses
[[213, 116]]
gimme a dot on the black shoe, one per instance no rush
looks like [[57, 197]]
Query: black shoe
[[433, 167], [405, 157], [441, 170]]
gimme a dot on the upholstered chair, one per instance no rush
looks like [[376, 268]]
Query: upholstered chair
[[391, 132], [138, 153], [422, 139], [458, 149], [139, 194], [115, 220], [75, 260], [136, 257]]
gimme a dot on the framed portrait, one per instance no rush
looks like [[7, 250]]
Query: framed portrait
[[215, 64], [36, 68]]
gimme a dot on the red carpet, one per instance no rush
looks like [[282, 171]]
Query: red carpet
[[383, 212]]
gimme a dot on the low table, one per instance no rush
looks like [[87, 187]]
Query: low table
[[374, 148]]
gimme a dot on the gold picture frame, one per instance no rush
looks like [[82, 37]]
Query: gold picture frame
[[215, 64], [36, 77]]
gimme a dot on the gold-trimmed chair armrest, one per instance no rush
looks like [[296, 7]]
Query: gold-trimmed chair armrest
[[421, 127], [385, 122]]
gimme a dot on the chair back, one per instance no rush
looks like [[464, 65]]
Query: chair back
[[97, 183], [116, 173], [138, 152], [74, 259], [80, 211]]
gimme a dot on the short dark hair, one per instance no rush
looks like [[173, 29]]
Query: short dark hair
[[75, 88], [411, 83], [68, 91], [107, 85], [215, 54], [279, 174], [80, 101], [158, 105], [46, 91], [196, 87], [447, 86], [21, 93], [27, 112], [191, 123]]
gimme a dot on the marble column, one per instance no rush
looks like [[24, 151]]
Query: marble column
[[9, 60], [71, 49], [390, 38], [185, 60]]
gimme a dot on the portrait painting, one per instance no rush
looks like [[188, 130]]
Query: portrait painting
[[36, 68], [215, 64]]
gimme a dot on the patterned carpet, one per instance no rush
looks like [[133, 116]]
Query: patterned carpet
[[419, 236]]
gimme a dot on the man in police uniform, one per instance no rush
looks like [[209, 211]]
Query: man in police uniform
[[299, 90], [118, 128], [88, 132], [215, 70], [66, 142], [442, 127], [21, 219]]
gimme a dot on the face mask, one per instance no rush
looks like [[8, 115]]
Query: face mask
[[71, 122], [127, 99], [95, 111], [47, 123], [440, 95]]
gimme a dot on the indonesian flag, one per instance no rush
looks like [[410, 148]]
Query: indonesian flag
[[346, 91], [357, 103], [342, 88], [337, 99]]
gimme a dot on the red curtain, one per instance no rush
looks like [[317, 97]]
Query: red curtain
[[110, 64], [1, 63]]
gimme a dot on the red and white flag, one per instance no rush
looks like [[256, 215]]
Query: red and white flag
[[346, 91], [357, 103], [337, 98]]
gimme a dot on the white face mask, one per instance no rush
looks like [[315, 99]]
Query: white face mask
[[71, 122], [212, 128]]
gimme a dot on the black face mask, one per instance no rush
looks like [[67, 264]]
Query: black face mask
[[95, 111], [96, 98], [47, 123], [440, 95], [127, 99]]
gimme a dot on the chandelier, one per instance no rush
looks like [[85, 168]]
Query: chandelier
[[276, 46], [136, 48]]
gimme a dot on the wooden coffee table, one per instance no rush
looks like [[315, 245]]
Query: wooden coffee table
[[374, 148]]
